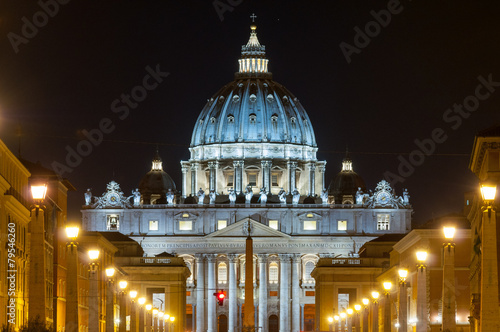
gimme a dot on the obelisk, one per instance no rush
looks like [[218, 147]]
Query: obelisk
[[249, 319]]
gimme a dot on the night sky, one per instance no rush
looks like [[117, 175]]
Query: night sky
[[400, 86]]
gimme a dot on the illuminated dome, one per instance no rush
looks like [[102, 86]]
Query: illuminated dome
[[253, 109], [156, 183], [345, 185]]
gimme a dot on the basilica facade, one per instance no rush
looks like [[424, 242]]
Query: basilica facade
[[252, 168]]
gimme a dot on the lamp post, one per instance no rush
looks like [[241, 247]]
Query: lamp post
[[141, 301], [155, 320], [365, 302], [449, 323], [72, 324], [349, 319], [330, 321], [489, 263], [94, 299], [37, 287], [343, 317], [357, 322], [375, 296], [133, 311], [160, 321], [166, 320], [403, 302], [422, 320], [123, 305], [110, 310], [172, 325], [387, 306]]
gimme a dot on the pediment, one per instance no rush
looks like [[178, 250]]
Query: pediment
[[258, 230]]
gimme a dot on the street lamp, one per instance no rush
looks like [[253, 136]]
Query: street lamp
[[336, 319], [155, 320], [37, 272], [375, 296], [110, 319], [148, 317], [387, 305], [93, 291], [421, 291], [349, 319], [122, 284], [365, 302], [403, 302], [343, 317], [172, 319], [72, 324], [489, 260], [141, 301], [330, 320], [448, 300], [357, 321]]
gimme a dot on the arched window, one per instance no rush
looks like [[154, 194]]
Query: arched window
[[273, 273], [222, 273], [308, 269]]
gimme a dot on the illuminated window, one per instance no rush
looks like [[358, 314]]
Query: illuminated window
[[309, 225], [383, 221], [185, 215], [185, 225], [112, 222], [153, 225], [230, 180], [222, 273], [252, 179], [309, 215], [274, 179], [221, 224], [342, 225], [273, 224], [273, 273]]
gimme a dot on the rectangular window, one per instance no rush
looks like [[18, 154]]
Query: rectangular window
[[273, 293], [185, 225], [221, 224], [274, 180], [383, 221], [230, 180], [153, 225], [309, 225], [309, 293], [341, 225], [273, 224], [252, 179]]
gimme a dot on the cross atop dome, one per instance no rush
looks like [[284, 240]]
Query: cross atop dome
[[253, 17]]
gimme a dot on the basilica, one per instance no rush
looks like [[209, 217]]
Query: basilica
[[252, 169]]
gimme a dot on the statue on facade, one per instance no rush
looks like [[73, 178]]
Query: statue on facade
[[282, 196], [359, 196], [88, 197], [295, 196], [406, 197], [137, 197], [324, 197], [263, 196], [201, 196], [212, 195], [248, 194], [232, 196], [170, 197]]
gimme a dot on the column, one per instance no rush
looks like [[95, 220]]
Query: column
[[322, 169], [185, 169], [212, 166], [262, 292], [36, 276], [233, 293], [365, 319], [72, 324], [123, 312], [312, 177], [302, 317], [200, 293], [284, 292], [194, 179], [403, 307], [292, 167], [387, 312], [266, 174], [211, 319], [375, 317], [449, 322], [489, 272], [141, 319], [193, 319], [296, 293], [133, 316], [238, 176], [422, 317]]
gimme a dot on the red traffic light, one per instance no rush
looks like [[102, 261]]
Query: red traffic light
[[220, 296]]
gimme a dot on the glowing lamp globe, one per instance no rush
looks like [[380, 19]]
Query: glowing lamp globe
[[365, 301], [336, 317], [155, 311], [123, 284], [357, 307], [350, 311], [166, 317], [375, 295], [149, 307], [421, 256], [142, 300], [343, 315], [160, 314], [330, 319], [110, 271], [133, 294], [93, 254], [387, 285], [38, 192], [403, 273], [172, 318], [72, 232], [449, 232], [488, 192]]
